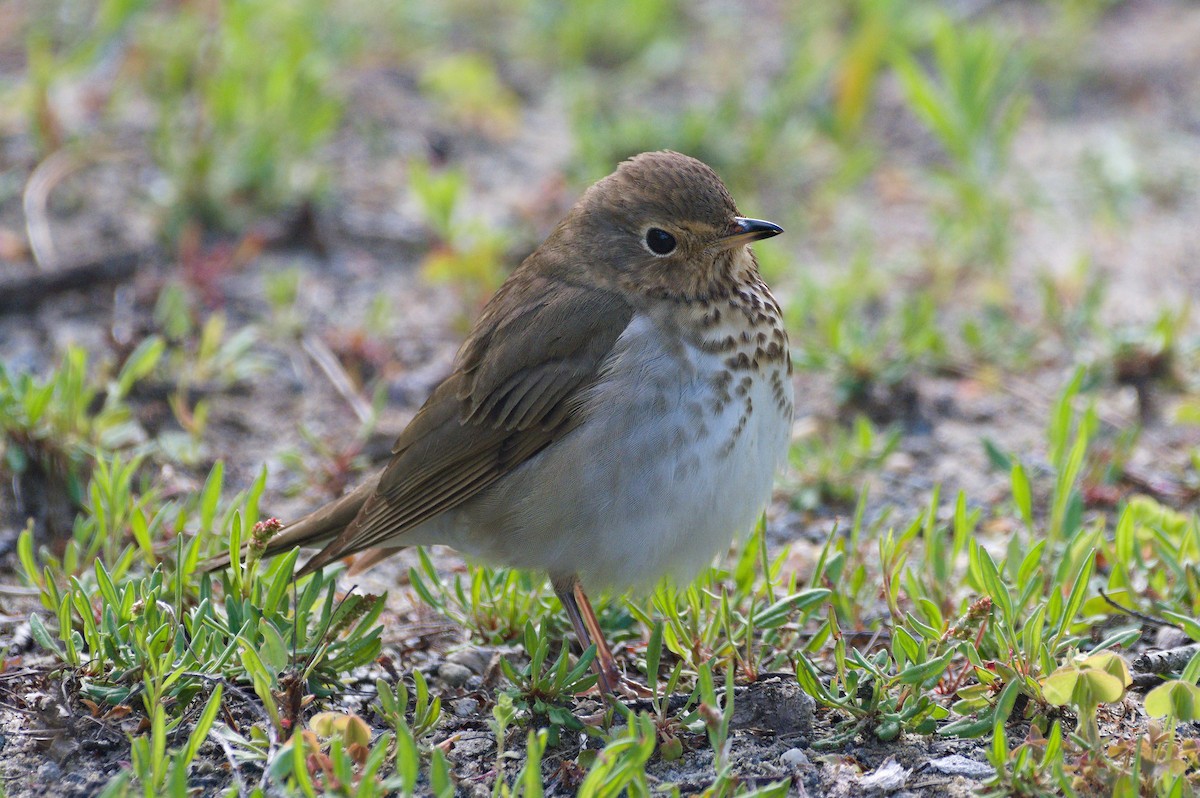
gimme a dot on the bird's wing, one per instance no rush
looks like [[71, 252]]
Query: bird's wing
[[515, 390]]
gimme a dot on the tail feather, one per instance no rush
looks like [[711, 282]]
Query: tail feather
[[319, 526]]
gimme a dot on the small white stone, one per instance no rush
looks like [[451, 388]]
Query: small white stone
[[794, 758], [959, 765], [887, 778], [900, 463]]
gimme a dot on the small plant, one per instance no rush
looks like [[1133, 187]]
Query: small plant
[[503, 715], [973, 104], [870, 345], [604, 34], [470, 93], [336, 757], [394, 706], [832, 462], [1034, 768], [884, 694], [245, 100], [348, 741], [493, 604], [1177, 700], [1146, 359], [715, 715], [545, 690], [747, 615], [469, 253], [1085, 684], [994, 338], [59, 424], [153, 628], [158, 771], [1071, 302], [1156, 762], [666, 725], [620, 767]]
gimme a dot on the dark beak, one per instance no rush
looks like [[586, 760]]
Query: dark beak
[[743, 231]]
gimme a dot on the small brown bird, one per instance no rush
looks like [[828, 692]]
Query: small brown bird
[[616, 414]]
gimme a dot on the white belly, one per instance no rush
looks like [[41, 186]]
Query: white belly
[[658, 480]]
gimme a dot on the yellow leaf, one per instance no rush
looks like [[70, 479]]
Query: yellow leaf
[[1102, 687], [1111, 664], [1058, 687]]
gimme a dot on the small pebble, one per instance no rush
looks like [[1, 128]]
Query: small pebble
[[1166, 637], [900, 463], [476, 659], [794, 758], [49, 773], [959, 765], [887, 778], [453, 674], [466, 707]]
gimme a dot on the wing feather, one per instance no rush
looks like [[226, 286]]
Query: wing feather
[[515, 390]]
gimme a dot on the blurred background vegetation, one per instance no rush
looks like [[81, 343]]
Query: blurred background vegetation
[[914, 151]]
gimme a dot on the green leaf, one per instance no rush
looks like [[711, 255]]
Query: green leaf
[[1006, 702], [1078, 593], [373, 764], [209, 497], [274, 651], [968, 728], [1111, 664], [300, 767], [1082, 687], [281, 582], [203, 724], [1103, 687], [905, 648], [28, 563], [1022, 496], [1191, 627], [43, 637], [439, 775], [653, 655], [778, 613], [810, 681], [997, 457], [139, 364], [1191, 673], [919, 674], [1175, 699], [994, 585], [1059, 687]]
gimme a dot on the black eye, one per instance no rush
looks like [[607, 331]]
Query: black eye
[[659, 241]]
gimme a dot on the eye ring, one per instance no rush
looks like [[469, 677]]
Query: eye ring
[[659, 242]]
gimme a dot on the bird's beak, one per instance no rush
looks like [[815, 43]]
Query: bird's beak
[[744, 230]]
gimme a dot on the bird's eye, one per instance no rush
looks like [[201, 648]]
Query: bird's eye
[[659, 241]]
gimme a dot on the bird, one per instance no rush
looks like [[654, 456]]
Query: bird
[[615, 416]]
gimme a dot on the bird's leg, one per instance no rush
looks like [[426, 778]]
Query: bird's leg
[[587, 630], [605, 661]]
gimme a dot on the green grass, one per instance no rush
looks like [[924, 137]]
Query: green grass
[[979, 638]]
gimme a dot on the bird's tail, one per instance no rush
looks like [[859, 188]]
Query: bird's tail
[[319, 526]]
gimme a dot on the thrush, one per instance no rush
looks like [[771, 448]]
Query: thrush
[[616, 414]]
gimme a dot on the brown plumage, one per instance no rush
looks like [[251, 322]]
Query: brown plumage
[[596, 379]]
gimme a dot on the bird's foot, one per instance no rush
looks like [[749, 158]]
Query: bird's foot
[[613, 682], [628, 688]]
